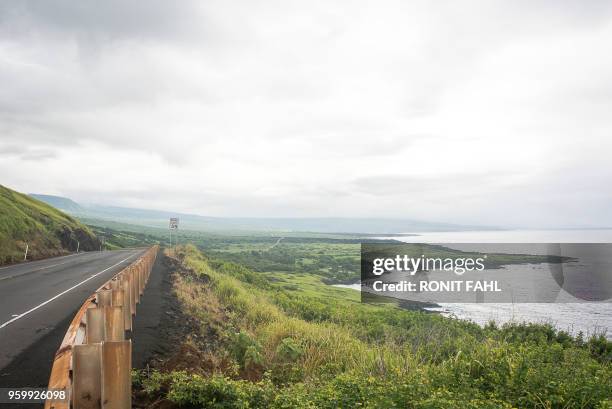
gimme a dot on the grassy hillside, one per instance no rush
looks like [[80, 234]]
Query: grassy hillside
[[278, 340], [47, 231]]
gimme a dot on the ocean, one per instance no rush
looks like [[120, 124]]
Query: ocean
[[588, 318]]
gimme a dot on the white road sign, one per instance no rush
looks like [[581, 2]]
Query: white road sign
[[174, 223]]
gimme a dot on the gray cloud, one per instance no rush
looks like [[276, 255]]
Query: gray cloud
[[26, 153], [450, 185], [473, 112], [96, 22]]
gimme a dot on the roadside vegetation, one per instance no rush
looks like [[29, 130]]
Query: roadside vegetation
[[286, 340]]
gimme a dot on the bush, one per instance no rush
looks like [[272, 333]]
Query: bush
[[218, 392], [246, 350], [289, 351], [331, 353]]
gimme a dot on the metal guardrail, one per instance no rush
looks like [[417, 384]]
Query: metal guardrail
[[94, 361]]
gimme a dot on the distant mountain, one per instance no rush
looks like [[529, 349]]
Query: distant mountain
[[59, 202], [159, 218], [46, 230]]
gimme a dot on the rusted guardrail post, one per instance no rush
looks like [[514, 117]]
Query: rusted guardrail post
[[95, 325], [133, 298], [104, 298], [116, 375], [117, 298], [130, 280], [93, 364], [136, 278], [114, 328], [127, 313], [113, 284], [141, 277], [87, 376]]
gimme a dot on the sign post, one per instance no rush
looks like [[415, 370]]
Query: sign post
[[174, 221]]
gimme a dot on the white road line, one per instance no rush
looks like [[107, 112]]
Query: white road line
[[35, 270], [36, 262], [62, 293], [26, 263]]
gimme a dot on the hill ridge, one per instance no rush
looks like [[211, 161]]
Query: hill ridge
[[45, 230]]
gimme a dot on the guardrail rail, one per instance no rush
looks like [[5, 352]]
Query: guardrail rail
[[94, 361]]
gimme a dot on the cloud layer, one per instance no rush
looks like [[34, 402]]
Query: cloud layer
[[472, 112]]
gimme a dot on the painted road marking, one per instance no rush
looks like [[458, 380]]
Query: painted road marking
[[62, 293], [26, 263], [35, 270], [53, 265]]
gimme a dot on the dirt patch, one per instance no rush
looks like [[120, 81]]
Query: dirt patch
[[149, 336], [189, 333], [179, 332]]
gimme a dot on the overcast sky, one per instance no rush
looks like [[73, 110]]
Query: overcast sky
[[487, 112]]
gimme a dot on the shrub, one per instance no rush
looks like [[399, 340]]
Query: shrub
[[246, 350], [331, 353]]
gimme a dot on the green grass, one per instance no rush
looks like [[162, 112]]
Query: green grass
[[295, 342], [338, 260], [333, 256], [46, 230]]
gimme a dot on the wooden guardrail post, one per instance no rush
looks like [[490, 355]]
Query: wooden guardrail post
[[87, 376], [116, 375]]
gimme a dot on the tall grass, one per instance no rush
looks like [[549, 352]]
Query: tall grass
[[313, 351]]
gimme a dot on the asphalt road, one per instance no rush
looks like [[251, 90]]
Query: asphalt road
[[37, 302]]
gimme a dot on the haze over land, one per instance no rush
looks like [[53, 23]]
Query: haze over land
[[475, 113], [159, 218]]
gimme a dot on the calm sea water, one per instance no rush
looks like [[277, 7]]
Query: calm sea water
[[590, 318]]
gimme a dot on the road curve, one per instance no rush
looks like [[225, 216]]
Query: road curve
[[38, 300]]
